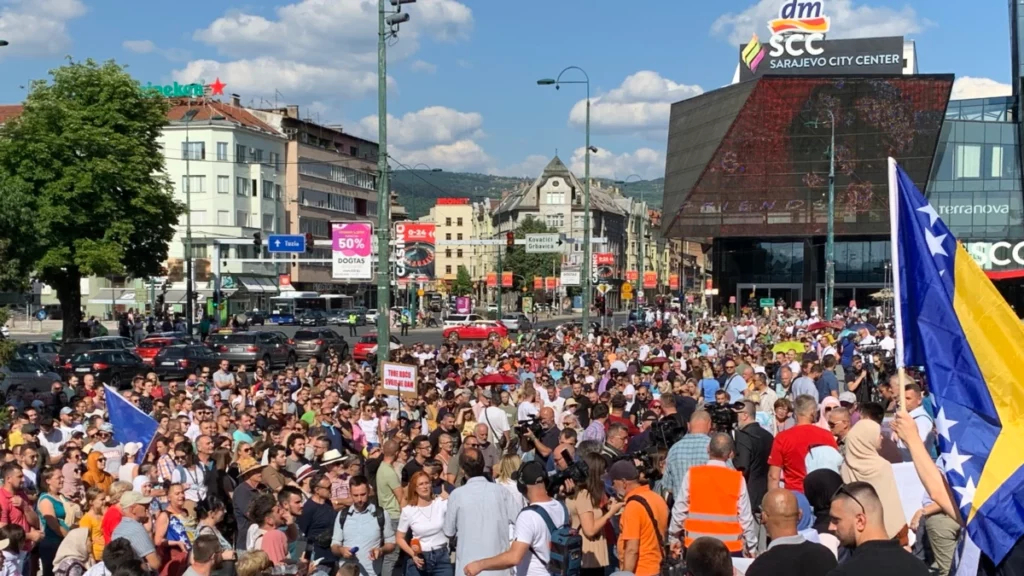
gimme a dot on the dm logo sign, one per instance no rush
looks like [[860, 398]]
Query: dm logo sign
[[799, 28]]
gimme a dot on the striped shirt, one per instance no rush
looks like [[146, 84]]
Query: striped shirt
[[691, 450]]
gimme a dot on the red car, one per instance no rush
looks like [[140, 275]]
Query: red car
[[150, 347], [480, 330], [366, 343]]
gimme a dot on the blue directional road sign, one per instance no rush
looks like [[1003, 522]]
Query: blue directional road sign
[[286, 243]]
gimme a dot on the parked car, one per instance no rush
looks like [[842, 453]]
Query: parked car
[[336, 318], [517, 321], [46, 352], [113, 367], [256, 317], [481, 330], [150, 347], [371, 316], [492, 307], [368, 342], [274, 348], [72, 348], [313, 318], [32, 375], [360, 316], [318, 342], [180, 360], [462, 319]]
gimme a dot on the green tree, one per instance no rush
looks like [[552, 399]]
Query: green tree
[[7, 346], [525, 266], [84, 161], [463, 285]]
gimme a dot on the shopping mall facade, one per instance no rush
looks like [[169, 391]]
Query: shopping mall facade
[[747, 167]]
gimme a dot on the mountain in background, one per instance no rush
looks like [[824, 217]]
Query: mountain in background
[[418, 190]]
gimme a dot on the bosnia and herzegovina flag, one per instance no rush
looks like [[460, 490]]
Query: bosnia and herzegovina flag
[[129, 422], [951, 320]]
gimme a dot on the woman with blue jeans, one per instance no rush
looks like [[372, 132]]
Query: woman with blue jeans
[[420, 533]]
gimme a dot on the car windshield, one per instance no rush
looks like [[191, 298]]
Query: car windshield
[[232, 338], [306, 335], [26, 365], [457, 318], [73, 348], [172, 352], [369, 339], [510, 317], [87, 357]]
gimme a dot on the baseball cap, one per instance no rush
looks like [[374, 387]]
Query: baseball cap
[[107, 427], [131, 498], [623, 470], [847, 399], [532, 473], [66, 410]]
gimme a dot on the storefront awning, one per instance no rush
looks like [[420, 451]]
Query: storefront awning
[[178, 296], [114, 297], [251, 284]]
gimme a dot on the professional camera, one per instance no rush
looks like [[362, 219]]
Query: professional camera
[[665, 433], [644, 464], [723, 418], [532, 425], [577, 472]]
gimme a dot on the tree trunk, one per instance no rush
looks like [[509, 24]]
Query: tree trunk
[[69, 292]]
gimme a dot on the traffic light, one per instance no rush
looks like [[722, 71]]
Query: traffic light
[[510, 241], [309, 242], [257, 240]]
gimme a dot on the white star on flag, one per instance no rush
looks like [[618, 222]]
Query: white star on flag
[[966, 493], [953, 460], [935, 243], [932, 215], [943, 424]]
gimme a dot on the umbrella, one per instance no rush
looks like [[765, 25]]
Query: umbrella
[[656, 361], [819, 326], [497, 380], [787, 346], [856, 327], [884, 294]]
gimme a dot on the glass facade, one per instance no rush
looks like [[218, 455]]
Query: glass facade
[[765, 262], [975, 184]]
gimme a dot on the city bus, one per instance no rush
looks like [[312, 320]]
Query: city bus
[[337, 302], [287, 309]]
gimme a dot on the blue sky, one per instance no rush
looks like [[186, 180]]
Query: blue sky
[[463, 73]]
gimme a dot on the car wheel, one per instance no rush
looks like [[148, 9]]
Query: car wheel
[[267, 361]]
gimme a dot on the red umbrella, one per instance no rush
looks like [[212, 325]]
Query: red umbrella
[[656, 361], [497, 380], [820, 325]]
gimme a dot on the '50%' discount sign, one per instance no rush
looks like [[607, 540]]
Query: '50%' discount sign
[[351, 250]]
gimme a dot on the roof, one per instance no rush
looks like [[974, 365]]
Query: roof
[[217, 111], [599, 199], [10, 111]]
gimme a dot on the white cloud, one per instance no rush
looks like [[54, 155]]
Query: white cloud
[[139, 46], [429, 126], [326, 38], [641, 104], [459, 156], [530, 167], [423, 66], [263, 75], [848, 21], [646, 162], [967, 87], [38, 27]]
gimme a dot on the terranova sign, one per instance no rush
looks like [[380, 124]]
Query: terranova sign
[[194, 90]]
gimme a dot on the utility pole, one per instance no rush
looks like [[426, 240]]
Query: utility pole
[[189, 114], [384, 21], [830, 238]]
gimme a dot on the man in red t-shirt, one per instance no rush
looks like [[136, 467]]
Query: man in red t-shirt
[[618, 415], [791, 446], [15, 506]]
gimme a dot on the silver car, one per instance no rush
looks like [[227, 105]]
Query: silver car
[[274, 348], [31, 375], [47, 352], [517, 322]]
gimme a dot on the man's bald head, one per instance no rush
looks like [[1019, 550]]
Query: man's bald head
[[547, 412], [700, 422], [390, 449]]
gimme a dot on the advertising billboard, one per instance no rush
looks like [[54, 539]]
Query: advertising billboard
[[415, 253], [604, 266], [570, 276], [351, 250], [650, 279], [673, 281], [538, 283], [506, 279], [492, 279]]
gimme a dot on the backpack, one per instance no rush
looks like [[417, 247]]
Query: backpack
[[377, 511], [566, 548]]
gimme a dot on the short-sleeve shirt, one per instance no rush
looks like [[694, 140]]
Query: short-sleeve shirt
[[531, 529], [790, 449], [273, 478], [827, 384], [275, 544], [635, 524], [387, 482], [137, 535]]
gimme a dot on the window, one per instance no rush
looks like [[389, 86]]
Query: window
[[335, 173], [968, 161], [278, 195], [447, 221], [448, 269], [254, 188], [268, 222], [448, 236], [193, 150], [275, 160], [327, 200], [458, 253], [242, 219], [458, 221], [222, 151], [353, 151], [193, 184], [268, 189], [555, 220], [448, 252], [198, 217], [459, 236], [223, 184], [577, 221], [239, 154], [257, 156], [242, 186], [371, 207], [223, 218], [314, 226], [556, 197], [200, 251]]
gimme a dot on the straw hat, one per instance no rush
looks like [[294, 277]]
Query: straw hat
[[249, 465]]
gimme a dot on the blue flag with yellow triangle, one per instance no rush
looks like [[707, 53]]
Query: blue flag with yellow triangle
[[952, 320]]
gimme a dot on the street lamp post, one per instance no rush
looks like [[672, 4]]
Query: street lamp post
[[189, 115], [640, 237], [830, 234], [587, 249], [387, 27]]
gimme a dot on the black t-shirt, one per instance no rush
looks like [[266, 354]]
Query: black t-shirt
[[435, 436], [411, 467], [804, 559], [879, 558], [863, 392], [317, 519]]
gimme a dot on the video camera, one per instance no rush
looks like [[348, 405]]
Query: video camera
[[532, 425], [723, 418], [646, 466], [577, 472], [665, 433]]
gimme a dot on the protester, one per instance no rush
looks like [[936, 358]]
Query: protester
[[858, 521], [789, 552], [863, 464]]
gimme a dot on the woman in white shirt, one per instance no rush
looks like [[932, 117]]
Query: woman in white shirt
[[370, 424], [420, 531]]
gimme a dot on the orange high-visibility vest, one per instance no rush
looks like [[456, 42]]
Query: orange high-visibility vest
[[714, 506]]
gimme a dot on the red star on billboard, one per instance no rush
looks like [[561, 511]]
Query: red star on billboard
[[217, 88]]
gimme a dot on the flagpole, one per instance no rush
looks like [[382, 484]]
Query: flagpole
[[897, 287]]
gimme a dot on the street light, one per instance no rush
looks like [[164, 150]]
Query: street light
[[189, 115], [587, 263], [387, 28], [640, 265], [830, 234]]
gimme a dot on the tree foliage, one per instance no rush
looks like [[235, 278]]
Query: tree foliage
[[83, 160], [463, 285], [7, 346], [526, 266]]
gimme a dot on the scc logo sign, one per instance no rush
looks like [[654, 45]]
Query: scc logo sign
[[996, 255], [799, 28]]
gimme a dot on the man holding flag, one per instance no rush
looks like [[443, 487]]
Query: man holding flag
[[951, 320], [128, 423]]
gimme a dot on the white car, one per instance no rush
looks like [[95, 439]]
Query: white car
[[371, 316], [461, 319], [492, 307]]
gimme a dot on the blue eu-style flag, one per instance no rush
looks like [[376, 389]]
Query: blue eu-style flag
[[952, 320], [130, 424]]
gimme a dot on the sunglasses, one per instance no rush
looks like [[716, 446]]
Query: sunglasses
[[843, 491]]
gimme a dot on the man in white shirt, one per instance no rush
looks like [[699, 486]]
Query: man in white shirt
[[554, 401], [531, 546], [495, 418], [887, 342], [925, 425]]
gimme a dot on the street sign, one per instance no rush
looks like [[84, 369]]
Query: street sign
[[540, 243], [627, 291], [767, 302], [570, 276], [420, 292], [41, 315], [286, 243], [603, 288]]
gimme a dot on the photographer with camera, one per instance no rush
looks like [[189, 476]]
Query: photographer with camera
[[859, 380], [540, 435]]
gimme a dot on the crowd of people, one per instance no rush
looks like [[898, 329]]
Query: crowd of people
[[677, 445]]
